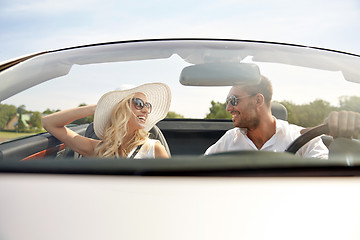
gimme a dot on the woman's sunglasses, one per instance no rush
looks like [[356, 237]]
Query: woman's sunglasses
[[233, 100], [139, 104]]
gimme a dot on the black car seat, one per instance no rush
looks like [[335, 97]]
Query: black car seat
[[279, 111], [155, 133]]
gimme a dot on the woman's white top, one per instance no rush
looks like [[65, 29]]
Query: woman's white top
[[146, 151]]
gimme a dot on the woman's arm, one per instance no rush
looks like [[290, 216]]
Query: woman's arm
[[160, 151], [55, 124]]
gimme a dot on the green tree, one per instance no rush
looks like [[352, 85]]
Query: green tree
[[308, 115], [314, 113], [218, 111], [21, 126], [84, 120], [351, 103], [35, 120], [21, 109], [290, 107], [6, 113], [174, 115], [48, 111]]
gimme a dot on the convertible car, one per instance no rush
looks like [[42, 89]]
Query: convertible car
[[49, 191]]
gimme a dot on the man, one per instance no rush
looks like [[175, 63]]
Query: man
[[256, 128]]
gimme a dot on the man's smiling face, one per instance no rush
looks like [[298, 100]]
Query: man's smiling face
[[244, 113]]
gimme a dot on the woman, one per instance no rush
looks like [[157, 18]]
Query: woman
[[122, 120]]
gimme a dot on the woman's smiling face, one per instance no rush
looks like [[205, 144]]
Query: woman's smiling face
[[139, 118]]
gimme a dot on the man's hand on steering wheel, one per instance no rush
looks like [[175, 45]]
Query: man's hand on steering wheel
[[338, 124], [344, 124]]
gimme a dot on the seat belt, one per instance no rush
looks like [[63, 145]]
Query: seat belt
[[136, 151]]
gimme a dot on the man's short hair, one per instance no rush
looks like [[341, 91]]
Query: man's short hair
[[264, 87]]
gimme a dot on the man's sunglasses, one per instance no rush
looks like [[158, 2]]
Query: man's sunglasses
[[233, 100], [139, 104]]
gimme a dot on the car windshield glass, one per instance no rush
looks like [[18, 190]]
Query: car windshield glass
[[308, 82], [164, 61]]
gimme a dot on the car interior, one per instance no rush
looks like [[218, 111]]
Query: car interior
[[178, 136]]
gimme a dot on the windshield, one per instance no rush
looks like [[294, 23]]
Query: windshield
[[299, 75], [307, 82], [214, 178]]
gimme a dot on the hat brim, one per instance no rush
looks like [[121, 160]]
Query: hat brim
[[158, 94]]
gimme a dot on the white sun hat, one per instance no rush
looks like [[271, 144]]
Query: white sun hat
[[158, 94]]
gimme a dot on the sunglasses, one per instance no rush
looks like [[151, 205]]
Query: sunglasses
[[139, 104], [233, 100]]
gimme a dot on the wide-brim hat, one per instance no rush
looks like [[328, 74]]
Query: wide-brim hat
[[158, 94]]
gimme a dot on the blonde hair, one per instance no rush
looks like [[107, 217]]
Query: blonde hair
[[116, 130]]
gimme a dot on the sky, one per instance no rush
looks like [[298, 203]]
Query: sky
[[29, 26]]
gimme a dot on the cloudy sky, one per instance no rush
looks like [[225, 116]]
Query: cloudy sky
[[29, 26]]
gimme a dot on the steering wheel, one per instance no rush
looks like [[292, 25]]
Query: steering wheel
[[306, 137]]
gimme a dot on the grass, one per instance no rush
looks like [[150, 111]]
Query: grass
[[4, 136]]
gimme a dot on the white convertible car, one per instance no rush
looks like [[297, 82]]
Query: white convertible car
[[49, 192]]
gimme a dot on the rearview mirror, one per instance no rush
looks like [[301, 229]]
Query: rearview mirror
[[220, 74]]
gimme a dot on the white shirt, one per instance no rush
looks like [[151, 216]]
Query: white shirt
[[147, 150], [236, 139]]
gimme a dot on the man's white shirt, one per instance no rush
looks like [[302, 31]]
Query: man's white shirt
[[236, 140]]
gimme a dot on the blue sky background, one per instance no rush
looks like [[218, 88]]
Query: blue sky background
[[29, 26]]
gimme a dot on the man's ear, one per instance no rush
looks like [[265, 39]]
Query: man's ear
[[260, 100]]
